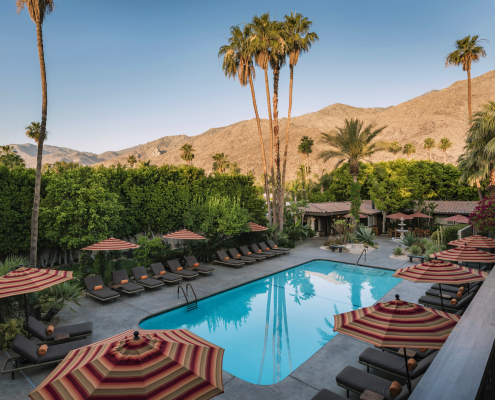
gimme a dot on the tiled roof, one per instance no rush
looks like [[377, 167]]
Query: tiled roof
[[340, 207], [455, 207]]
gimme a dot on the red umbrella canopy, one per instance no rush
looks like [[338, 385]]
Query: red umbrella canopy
[[465, 254], [399, 216], [360, 216], [184, 234], [256, 228], [420, 215], [474, 241], [171, 364], [458, 218], [28, 280], [111, 244]]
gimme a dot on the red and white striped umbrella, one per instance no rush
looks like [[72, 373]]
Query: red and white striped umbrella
[[420, 215], [184, 234], [256, 228], [474, 241], [111, 244], [465, 254], [458, 218], [399, 216]]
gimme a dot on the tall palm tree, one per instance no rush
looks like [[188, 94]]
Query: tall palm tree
[[471, 171], [238, 60], [445, 144], [6, 150], [429, 144], [352, 143], [144, 164], [467, 51], [187, 153], [408, 149], [131, 160], [299, 40], [221, 164], [38, 10], [234, 168], [306, 148], [394, 148]]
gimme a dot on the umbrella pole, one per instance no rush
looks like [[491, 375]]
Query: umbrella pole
[[441, 298], [26, 313], [407, 372]]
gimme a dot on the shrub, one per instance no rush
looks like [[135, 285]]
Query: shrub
[[409, 239], [149, 250], [433, 248], [56, 297], [204, 250], [365, 235], [398, 251], [415, 250], [9, 330]]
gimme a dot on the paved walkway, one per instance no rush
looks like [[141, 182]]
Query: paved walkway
[[303, 383]]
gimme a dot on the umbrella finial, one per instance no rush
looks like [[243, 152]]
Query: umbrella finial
[[397, 297], [136, 335]]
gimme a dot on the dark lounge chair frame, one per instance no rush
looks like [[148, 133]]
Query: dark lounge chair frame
[[245, 251], [165, 277], [263, 246], [137, 274], [230, 262], [174, 264], [272, 245], [94, 278], [270, 253], [122, 288], [33, 322], [233, 252], [202, 269]]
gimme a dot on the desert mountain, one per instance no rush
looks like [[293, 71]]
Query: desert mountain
[[436, 114]]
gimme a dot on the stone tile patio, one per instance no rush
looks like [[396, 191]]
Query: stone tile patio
[[303, 383]]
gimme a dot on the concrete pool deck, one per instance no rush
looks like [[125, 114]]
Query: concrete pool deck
[[318, 372]]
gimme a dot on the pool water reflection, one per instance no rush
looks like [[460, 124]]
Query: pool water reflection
[[271, 326]]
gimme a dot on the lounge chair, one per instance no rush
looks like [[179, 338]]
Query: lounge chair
[[275, 246], [436, 302], [265, 247], [128, 288], [448, 295], [418, 356], [74, 332], [176, 268], [325, 394], [357, 381], [29, 357], [104, 294], [234, 254], [245, 251], [147, 282], [454, 289], [393, 364], [159, 272], [202, 269], [223, 258], [257, 250]]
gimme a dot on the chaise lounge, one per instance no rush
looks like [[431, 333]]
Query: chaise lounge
[[325, 394], [237, 256], [264, 246], [245, 251], [159, 272], [103, 294], [194, 265], [436, 302], [121, 278], [274, 246], [257, 250], [142, 278], [178, 269], [223, 258], [60, 333]]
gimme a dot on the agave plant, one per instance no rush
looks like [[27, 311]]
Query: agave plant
[[409, 239], [12, 262], [365, 235], [56, 297]]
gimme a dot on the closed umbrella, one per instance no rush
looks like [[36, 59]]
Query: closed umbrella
[[398, 323], [140, 365], [475, 241]]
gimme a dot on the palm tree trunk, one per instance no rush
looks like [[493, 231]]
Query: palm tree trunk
[[354, 178], [469, 93], [480, 192], [287, 131], [262, 146], [33, 252], [276, 139], [267, 87]]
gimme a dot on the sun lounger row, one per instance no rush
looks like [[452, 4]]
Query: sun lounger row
[[259, 252], [449, 293]]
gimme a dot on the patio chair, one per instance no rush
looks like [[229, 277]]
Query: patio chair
[[449, 295], [103, 294], [237, 256], [393, 364], [178, 269], [358, 381], [194, 265], [60, 333], [325, 394], [141, 277], [29, 357], [274, 246], [436, 302], [223, 258], [391, 232], [427, 233], [159, 272], [122, 283], [419, 355], [265, 247], [455, 289], [269, 253], [245, 251]]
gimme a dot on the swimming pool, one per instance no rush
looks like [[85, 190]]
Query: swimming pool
[[271, 326]]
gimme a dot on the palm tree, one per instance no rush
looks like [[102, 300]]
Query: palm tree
[[6, 150], [408, 150], [38, 10], [187, 153], [471, 171], [429, 144], [467, 51], [131, 160], [306, 148], [445, 144], [238, 60], [221, 164], [234, 168], [299, 40], [351, 143], [144, 164], [394, 148]]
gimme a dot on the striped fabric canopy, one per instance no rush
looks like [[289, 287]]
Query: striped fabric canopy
[[399, 216], [465, 254], [28, 280], [441, 272], [398, 323], [170, 364], [184, 234], [419, 215], [474, 241], [111, 244], [458, 218], [256, 228]]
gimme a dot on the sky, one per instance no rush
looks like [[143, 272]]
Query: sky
[[122, 73]]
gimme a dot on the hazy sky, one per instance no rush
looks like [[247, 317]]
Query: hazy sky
[[124, 72]]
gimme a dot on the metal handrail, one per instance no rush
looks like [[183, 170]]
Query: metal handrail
[[190, 286], [357, 262], [178, 294]]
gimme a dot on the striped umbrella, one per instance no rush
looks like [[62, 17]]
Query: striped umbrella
[[170, 364], [419, 215], [465, 254], [399, 216], [474, 241], [184, 234], [28, 280], [458, 218], [256, 228], [111, 244], [398, 323]]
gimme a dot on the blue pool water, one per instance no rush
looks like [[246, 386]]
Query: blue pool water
[[271, 326]]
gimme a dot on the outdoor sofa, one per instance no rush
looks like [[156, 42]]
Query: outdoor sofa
[[202, 269], [238, 256], [270, 253], [358, 381], [436, 302], [223, 258], [159, 272], [103, 294], [245, 251], [265, 247], [29, 357], [274, 246], [178, 269], [149, 283], [129, 287], [74, 332], [325, 394]]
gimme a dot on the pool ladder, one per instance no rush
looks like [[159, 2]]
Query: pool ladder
[[357, 262], [190, 305]]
